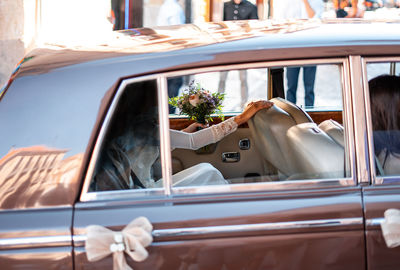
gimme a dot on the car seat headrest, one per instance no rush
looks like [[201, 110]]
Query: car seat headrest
[[297, 113], [314, 152], [334, 130]]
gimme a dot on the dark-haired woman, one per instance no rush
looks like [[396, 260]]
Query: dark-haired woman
[[385, 109]]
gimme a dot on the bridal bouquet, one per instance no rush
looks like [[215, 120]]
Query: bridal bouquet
[[198, 103]]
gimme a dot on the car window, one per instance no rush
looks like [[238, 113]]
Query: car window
[[281, 144], [237, 86], [314, 87], [384, 94], [130, 153]]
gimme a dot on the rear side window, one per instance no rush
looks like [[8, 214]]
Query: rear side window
[[130, 154], [281, 144], [290, 142]]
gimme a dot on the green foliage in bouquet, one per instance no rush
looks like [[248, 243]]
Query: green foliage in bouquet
[[198, 103]]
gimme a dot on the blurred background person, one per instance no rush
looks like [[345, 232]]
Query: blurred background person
[[342, 5], [299, 9], [171, 13], [238, 10]]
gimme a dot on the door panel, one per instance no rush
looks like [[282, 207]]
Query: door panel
[[36, 239], [377, 200], [250, 161], [291, 230]]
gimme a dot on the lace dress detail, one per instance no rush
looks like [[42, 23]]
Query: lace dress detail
[[223, 129], [196, 140]]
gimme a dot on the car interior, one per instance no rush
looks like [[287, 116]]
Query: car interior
[[289, 141], [387, 160], [285, 142]]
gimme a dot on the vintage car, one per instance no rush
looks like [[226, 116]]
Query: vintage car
[[86, 140]]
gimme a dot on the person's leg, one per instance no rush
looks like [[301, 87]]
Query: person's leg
[[243, 86], [222, 81], [278, 86], [292, 75], [309, 79]]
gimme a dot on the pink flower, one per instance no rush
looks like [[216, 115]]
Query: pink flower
[[194, 100]]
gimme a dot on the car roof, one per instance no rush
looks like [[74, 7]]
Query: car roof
[[326, 38]]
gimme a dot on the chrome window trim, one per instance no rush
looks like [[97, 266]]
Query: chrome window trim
[[36, 242], [165, 143], [348, 120], [358, 101], [264, 186], [165, 152], [376, 180], [79, 240], [85, 195]]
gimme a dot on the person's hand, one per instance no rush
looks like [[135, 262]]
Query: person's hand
[[193, 127], [251, 109]]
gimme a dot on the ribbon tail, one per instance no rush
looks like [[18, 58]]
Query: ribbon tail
[[119, 262]]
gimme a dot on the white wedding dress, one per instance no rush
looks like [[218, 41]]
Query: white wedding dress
[[203, 173]]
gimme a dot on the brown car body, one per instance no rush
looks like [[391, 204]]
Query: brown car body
[[51, 114]]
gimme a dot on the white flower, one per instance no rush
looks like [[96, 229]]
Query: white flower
[[194, 100]]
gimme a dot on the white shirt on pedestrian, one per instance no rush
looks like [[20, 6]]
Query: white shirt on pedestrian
[[171, 13], [295, 9]]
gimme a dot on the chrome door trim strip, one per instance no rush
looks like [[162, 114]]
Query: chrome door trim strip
[[93, 196], [243, 228], [258, 227], [374, 222], [36, 242], [284, 186]]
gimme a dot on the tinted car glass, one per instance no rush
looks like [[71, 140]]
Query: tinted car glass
[[301, 148], [384, 83], [129, 156]]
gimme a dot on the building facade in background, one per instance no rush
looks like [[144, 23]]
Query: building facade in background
[[25, 24]]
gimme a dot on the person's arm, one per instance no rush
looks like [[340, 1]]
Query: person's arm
[[310, 11], [251, 109], [354, 9], [195, 140]]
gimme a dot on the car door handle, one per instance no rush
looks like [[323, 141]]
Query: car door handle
[[230, 157]]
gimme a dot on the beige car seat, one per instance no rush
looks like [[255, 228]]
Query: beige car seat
[[317, 154], [334, 130], [269, 128], [391, 163]]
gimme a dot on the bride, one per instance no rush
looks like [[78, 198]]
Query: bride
[[132, 159]]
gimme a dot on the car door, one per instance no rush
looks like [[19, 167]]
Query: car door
[[297, 223], [384, 191]]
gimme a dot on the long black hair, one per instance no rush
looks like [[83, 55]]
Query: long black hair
[[385, 109]]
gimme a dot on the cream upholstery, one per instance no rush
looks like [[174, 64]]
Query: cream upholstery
[[269, 129], [392, 164], [297, 113], [316, 154], [334, 130]]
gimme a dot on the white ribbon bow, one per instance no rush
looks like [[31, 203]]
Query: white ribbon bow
[[391, 228], [101, 242]]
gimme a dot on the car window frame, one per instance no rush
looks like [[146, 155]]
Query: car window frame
[[376, 180], [165, 154]]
